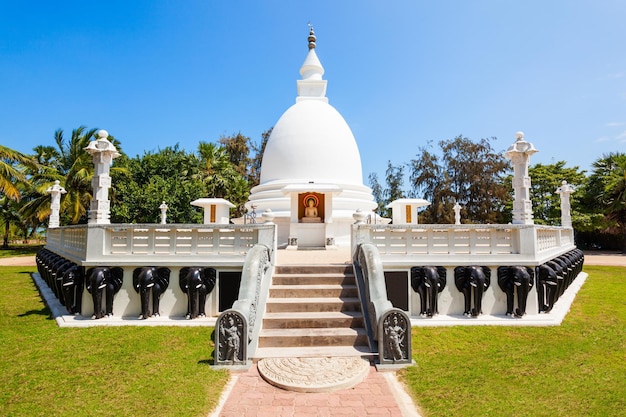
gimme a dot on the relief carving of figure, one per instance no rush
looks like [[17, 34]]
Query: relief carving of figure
[[230, 344], [394, 338]]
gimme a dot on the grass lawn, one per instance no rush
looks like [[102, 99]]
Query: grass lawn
[[576, 369], [20, 250], [101, 371]]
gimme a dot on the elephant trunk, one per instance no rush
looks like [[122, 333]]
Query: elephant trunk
[[145, 303], [96, 295], [522, 296], [479, 288]]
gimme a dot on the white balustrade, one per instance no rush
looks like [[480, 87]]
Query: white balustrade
[[490, 240], [157, 242]]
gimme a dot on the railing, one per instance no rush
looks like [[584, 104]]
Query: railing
[[158, 242], [246, 312], [70, 241], [432, 239], [388, 328]]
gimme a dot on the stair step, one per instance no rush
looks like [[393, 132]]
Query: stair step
[[310, 279], [313, 269], [314, 304], [313, 291], [312, 337], [313, 320], [312, 351]]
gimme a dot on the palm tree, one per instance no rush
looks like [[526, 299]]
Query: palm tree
[[10, 174], [13, 180], [220, 175], [607, 185], [72, 166]]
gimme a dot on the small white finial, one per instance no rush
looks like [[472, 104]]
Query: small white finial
[[103, 134], [519, 135]]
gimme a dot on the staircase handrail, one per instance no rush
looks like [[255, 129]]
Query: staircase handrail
[[389, 326], [250, 303]]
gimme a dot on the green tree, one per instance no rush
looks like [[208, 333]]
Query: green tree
[[394, 180], [546, 203], [69, 163], [254, 170], [13, 183], [169, 175], [221, 177], [606, 192], [469, 173]]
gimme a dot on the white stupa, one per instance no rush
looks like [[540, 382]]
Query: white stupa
[[311, 175]]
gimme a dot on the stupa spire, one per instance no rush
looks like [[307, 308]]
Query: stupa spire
[[312, 37], [311, 86]]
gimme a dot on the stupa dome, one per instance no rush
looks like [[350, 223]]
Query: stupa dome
[[312, 142]]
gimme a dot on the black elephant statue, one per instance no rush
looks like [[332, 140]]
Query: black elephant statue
[[196, 283], [517, 277], [150, 280], [472, 280], [100, 279], [547, 287], [428, 282], [73, 283], [55, 277]]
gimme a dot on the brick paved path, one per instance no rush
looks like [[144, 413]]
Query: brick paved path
[[252, 396]]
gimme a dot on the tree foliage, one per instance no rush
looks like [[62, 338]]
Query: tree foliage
[[168, 175], [605, 192], [469, 173], [546, 202]]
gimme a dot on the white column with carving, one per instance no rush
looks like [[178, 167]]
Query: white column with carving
[[55, 192], [565, 190], [103, 152], [519, 153]]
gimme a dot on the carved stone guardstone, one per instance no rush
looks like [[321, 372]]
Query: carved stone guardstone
[[394, 338], [231, 339]]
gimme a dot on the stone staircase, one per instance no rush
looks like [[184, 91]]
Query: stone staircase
[[313, 310]]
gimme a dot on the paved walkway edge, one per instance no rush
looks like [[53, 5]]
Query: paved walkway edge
[[224, 396], [404, 400]]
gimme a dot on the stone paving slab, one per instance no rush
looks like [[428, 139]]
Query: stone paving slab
[[249, 395]]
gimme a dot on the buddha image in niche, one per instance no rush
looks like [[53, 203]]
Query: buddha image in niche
[[311, 213]]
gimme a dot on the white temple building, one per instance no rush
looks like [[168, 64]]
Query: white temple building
[[311, 174]]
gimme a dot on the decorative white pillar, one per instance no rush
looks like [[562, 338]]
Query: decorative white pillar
[[565, 190], [457, 213], [519, 153], [55, 205], [103, 152], [163, 208]]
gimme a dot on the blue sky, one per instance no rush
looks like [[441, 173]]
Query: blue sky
[[156, 73]]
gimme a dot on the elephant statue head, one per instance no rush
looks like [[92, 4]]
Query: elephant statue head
[[73, 283], [512, 277], [472, 280], [150, 279], [103, 278], [428, 282], [196, 283], [547, 287]]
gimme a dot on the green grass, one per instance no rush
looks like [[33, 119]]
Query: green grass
[[576, 369], [20, 250], [103, 371]]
